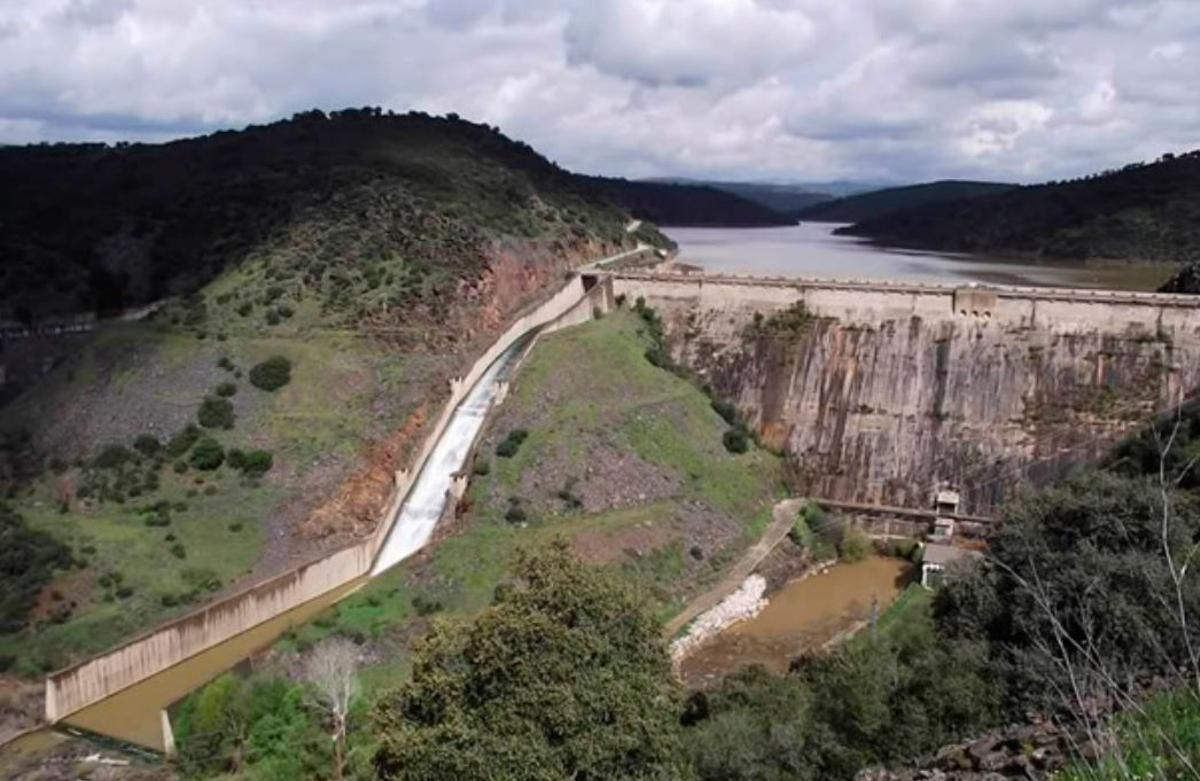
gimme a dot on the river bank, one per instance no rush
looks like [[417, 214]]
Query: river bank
[[808, 611]]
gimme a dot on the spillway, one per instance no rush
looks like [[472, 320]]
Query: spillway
[[414, 522]]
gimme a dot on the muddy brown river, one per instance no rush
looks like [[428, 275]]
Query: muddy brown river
[[803, 615]]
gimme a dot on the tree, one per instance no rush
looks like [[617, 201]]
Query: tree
[[331, 669], [207, 454], [272, 374], [564, 676]]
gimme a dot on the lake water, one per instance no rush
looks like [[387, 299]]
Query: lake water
[[811, 250]]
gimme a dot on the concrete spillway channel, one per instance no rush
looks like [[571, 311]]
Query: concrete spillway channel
[[137, 714]]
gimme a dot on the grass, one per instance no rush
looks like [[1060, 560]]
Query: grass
[[914, 603], [1160, 741], [134, 378], [579, 387]]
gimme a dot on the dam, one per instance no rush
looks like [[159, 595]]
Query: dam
[[882, 393], [879, 393]]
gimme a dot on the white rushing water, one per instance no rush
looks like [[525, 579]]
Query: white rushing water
[[418, 515]]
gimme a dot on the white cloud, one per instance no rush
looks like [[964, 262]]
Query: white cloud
[[783, 89]]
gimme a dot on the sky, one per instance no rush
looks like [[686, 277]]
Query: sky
[[776, 90]]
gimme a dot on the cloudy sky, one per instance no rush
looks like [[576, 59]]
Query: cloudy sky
[[879, 90]]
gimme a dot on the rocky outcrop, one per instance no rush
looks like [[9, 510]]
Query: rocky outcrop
[[1034, 750]]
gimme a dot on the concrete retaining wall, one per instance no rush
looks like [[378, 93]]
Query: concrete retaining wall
[[77, 687]]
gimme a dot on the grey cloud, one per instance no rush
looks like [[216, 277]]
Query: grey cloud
[[880, 89]]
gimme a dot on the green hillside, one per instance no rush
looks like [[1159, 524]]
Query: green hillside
[[701, 204], [1141, 213], [343, 203], [870, 205], [315, 283]]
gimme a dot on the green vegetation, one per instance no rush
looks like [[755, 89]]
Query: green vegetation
[[877, 203], [207, 454], [686, 204], [216, 413], [564, 676], [272, 374], [509, 446], [854, 546], [1143, 212], [358, 213], [28, 559], [1159, 740]]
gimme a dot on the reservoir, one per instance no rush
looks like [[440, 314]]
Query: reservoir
[[811, 250]]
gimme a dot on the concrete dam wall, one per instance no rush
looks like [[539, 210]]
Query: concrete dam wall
[[882, 393], [72, 692]]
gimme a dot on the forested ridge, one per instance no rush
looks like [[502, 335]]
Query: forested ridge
[[877, 203], [1141, 213], [87, 227]]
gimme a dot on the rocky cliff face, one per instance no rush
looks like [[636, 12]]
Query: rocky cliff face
[[884, 405]]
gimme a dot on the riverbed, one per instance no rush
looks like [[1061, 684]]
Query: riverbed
[[803, 615], [811, 250]]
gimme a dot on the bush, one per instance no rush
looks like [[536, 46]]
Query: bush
[[508, 448], [207, 454], [216, 413], [124, 592], [180, 467], [111, 457], [178, 551], [515, 512], [183, 441], [726, 410], [225, 363], [147, 444], [855, 546], [272, 374], [736, 441], [226, 389], [425, 605], [257, 463]]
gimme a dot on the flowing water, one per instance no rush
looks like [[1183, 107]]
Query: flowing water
[[803, 615], [425, 502], [133, 714], [811, 250]]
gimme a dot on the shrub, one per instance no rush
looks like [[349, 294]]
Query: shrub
[[272, 374], [235, 527], [508, 448], [482, 467], [147, 444], [225, 363], [726, 410], [736, 441], [169, 600], [124, 592], [425, 605], [183, 441], [178, 551], [245, 309], [256, 463], [272, 317], [226, 389], [111, 457], [800, 534], [855, 546], [216, 413], [180, 467], [207, 454], [515, 512]]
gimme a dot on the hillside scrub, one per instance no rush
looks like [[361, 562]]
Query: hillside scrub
[[565, 675], [272, 374], [28, 560]]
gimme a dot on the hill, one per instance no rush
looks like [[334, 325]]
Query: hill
[[666, 203], [313, 284], [1143, 212], [96, 227], [784, 198], [870, 205]]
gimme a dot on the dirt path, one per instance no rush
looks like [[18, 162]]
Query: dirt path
[[783, 516]]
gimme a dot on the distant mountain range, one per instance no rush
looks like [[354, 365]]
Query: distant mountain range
[[872, 205], [1140, 213]]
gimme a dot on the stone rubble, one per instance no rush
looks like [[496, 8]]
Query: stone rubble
[[742, 604]]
